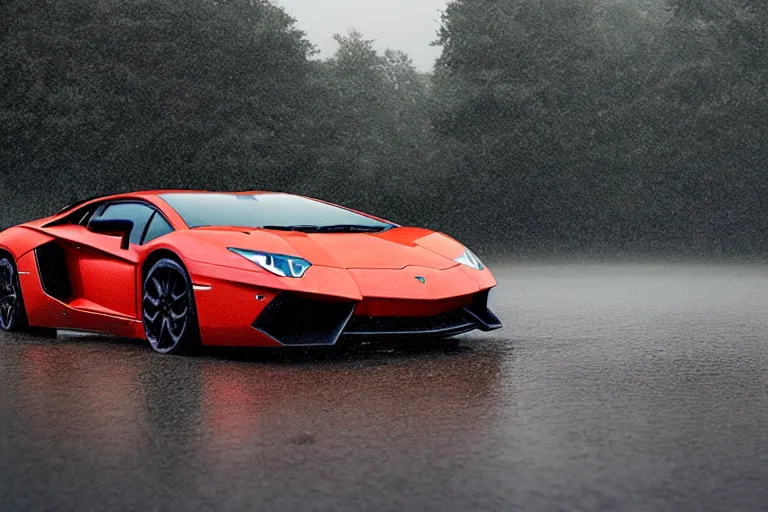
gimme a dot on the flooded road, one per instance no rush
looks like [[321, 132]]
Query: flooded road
[[609, 388]]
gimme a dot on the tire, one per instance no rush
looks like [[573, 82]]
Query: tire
[[13, 314], [168, 309]]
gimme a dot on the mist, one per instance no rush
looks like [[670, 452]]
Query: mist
[[597, 128], [402, 24]]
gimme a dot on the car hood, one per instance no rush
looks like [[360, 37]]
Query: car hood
[[395, 248]]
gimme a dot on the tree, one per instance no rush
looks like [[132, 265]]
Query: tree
[[376, 131], [515, 89], [113, 95], [606, 123]]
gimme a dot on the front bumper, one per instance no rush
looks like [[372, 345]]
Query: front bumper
[[291, 320], [240, 312]]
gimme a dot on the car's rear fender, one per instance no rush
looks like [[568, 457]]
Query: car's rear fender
[[19, 240]]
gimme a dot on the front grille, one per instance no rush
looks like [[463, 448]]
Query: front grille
[[294, 320], [452, 322]]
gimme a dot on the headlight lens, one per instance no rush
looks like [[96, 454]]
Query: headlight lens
[[278, 264], [469, 259]]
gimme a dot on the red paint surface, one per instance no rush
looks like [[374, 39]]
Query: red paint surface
[[376, 270]]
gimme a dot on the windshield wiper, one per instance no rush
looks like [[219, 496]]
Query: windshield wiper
[[349, 228], [303, 228], [338, 228]]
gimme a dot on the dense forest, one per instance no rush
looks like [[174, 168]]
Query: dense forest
[[590, 127]]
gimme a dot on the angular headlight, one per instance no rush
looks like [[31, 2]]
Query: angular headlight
[[278, 264], [469, 259]]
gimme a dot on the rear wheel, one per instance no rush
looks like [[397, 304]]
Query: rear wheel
[[168, 309], [13, 315]]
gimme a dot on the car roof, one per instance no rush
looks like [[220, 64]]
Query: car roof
[[154, 196], [156, 193], [161, 192]]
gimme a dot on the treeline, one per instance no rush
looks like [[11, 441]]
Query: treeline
[[548, 126]]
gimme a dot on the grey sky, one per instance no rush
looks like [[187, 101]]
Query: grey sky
[[408, 25]]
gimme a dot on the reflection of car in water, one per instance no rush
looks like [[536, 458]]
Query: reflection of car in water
[[237, 269], [239, 414]]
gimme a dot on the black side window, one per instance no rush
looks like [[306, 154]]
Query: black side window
[[138, 213], [80, 216], [83, 216], [158, 227]]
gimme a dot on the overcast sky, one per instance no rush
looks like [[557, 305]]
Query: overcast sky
[[408, 25]]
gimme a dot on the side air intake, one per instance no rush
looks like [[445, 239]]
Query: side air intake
[[52, 266]]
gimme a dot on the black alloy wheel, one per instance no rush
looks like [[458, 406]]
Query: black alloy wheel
[[12, 315], [168, 309]]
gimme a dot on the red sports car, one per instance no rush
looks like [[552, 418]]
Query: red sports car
[[256, 269]]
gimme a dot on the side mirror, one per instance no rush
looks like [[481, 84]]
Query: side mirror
[[115, 227]]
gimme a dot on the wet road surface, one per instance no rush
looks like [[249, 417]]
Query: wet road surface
[[610, 388]]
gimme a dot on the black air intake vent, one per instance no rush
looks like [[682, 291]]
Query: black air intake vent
[[297, 321], [52, 266]]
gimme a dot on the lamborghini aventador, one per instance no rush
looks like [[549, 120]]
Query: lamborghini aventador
[[257, 269]]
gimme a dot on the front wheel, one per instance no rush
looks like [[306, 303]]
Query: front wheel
[[168, 309]]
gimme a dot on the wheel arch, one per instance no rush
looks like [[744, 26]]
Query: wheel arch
[[154, 257], [19, 240]]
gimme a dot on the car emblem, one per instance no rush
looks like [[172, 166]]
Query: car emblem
[[421, 280]]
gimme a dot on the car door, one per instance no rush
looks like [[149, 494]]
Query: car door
[[102, 275]]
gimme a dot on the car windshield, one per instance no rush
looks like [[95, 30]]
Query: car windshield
[[269, 211]]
